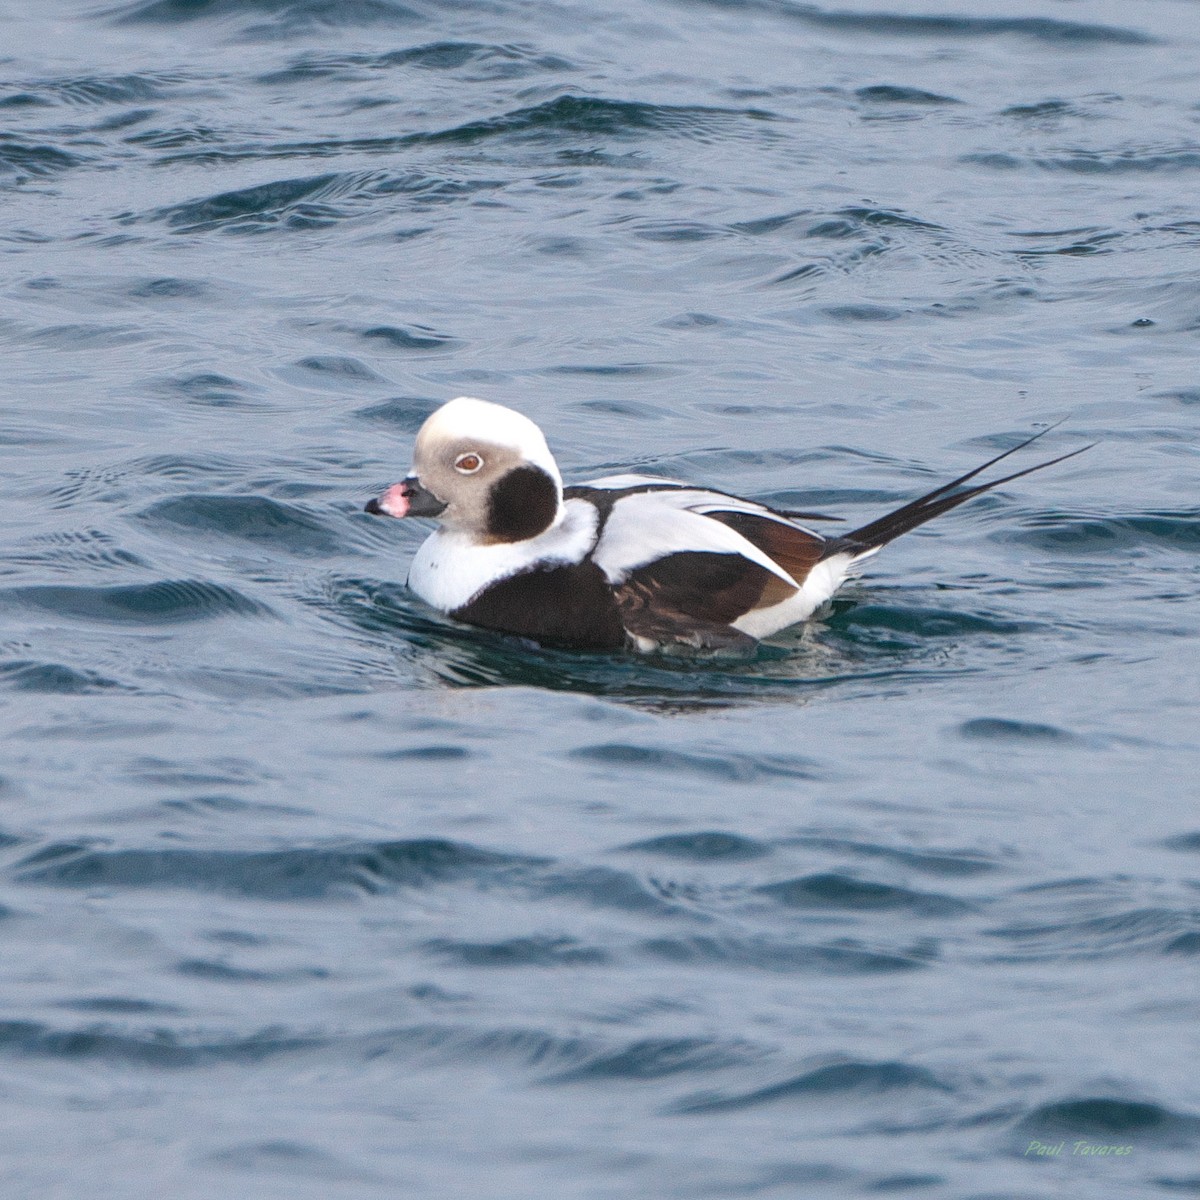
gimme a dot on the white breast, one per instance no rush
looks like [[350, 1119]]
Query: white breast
[[451, 569]]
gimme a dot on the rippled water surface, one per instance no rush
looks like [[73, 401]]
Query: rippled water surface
[[306, 892]]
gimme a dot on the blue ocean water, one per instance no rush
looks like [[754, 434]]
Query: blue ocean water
[[306, 892]]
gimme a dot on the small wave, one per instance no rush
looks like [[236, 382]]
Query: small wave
[[254, 519], [605, 887], [1041, 110], [167, 287], [404, 413], [597, 116], [286, 16], [303, 200], [843, 956], [1104, 1118], [702, 847], [484, 61], [346, 371], [98, 89], [886, 93], [218, 971], [1187, 842], [1185, 943], [730, 768], [1039, 29], [209, 389], [1074, 243], [430, 754], [157, 1048], [203, 807], [184, 466], [835, 890], [1094, 162], [70, 550], [613, 370], [1183, 395], [55, 678], [659, 1058], [850, 222], [946, 863], [538, 951], [1118, 934], [415, 337], [312, 202], [308, 873], [23, 161], [650, 230], [1067, 533], [277, 1157], [161, 603], [998, 729], [174, 139], [864, 620], [210, 772], [851, 1079], [867, 234], [863, 312], [84, 338], [121, 1006]]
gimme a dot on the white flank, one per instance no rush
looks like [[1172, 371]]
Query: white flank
[[823, 580]]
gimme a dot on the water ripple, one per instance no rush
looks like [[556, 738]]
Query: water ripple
[[159, 1048], [1069, 533], [539, 951], [856, 1080], [1049, 30], [659, 1058], [731, 768], [95, 89], [21, 161], [1094, 162], [835, 890], [312, 202], [254, 519], [302, 874], [55, 678], [785, 956], [1108, 1118], [286, 16], [160, 603], [476, 60], [702, 847]]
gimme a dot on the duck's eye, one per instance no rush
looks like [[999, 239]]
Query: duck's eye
[[468, 464]]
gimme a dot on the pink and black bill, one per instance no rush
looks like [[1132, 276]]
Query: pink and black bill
[[406, 499]]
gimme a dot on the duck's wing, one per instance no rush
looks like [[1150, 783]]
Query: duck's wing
[[612, 486], [692, 599], [685, 563]]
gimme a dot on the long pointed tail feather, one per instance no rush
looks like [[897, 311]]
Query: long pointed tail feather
[[872, 536]]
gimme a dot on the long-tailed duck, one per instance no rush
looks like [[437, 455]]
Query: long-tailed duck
[[627, 560]]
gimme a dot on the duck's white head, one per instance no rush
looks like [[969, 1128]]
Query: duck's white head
[[480, 468]]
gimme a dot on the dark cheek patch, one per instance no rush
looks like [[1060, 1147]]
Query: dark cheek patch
[[521, 505]]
